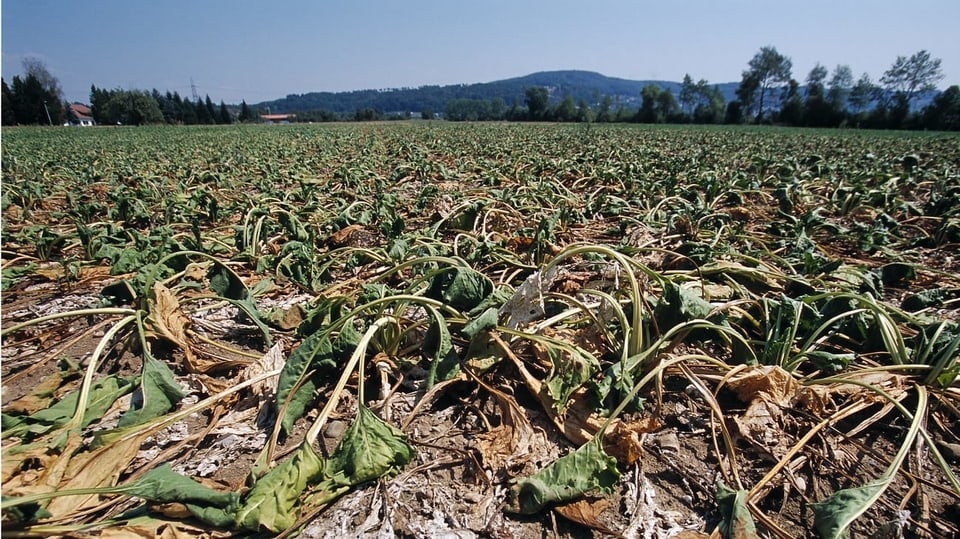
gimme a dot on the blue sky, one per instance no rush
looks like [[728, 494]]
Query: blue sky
[[260, 50]]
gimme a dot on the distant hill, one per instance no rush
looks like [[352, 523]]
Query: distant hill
[[586, 85]]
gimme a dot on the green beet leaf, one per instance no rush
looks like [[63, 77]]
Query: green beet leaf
[[163, 485], [160, 392], [678, 305], [735, 519], [462, 288], [370, 449], [587, 469], [572, 367], [103, 394], [273, 503], [445, 363], [316, 353], [833, 516]]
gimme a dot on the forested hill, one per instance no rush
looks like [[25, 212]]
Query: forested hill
[[585, 85]]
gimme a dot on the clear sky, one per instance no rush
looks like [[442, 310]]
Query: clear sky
[[263, 50]]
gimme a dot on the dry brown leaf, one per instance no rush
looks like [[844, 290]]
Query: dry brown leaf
[[168, 321], [24, 467], [40, 398], [579, 422], [291, 319], [768, 382], [196, 272], [690, 534], [624, 439], [510, 445], [158, 530], [585, 513], [98, 468]]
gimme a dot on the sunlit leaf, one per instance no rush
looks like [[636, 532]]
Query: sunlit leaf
[[273, 502], [159, 393], [585, 470], [369, 449], [735, 519]]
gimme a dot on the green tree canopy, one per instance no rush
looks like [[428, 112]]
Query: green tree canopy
[[245, 114], [566, 110], [538, 102], [767, 71], [944, 112], [911, 76], [6, 108], [133, 107]]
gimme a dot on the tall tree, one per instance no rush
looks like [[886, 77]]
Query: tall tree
[[224, 117], [566, 110], [188, 112], [170, 108], [538, 102], [211, 111], [584, 114], [767, 70], [711, 104], [791, 105], [667, 108], [31, 103], [911, 76], [245, 114], [6, 108], [838, 89], [861, 94], [648, 104], [816, 111], [36, 67], [98, 103], [944, 112], [202, 113], [688, 94], [603, 114], [54, 110], [133, 107], [746, 96]]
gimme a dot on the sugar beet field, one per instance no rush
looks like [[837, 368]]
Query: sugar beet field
[[480, 330]]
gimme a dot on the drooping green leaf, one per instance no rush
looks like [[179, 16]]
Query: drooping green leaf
[[678, 305], [461, 287], [314, 353], [159, 390], [572, 367], [486, 321], [9, 275], [226, 283], [587, 469], [928, 298], [735, 519], [444, 362], [163, 485], [103, 393], [370, 449], [833, 516], [273, 502]]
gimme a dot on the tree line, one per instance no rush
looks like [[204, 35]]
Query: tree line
[[767, 94]]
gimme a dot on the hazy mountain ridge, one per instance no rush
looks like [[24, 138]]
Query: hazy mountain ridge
[[587, 85]]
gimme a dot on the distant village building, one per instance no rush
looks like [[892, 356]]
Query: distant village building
[[80, 115], [277, 118]]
